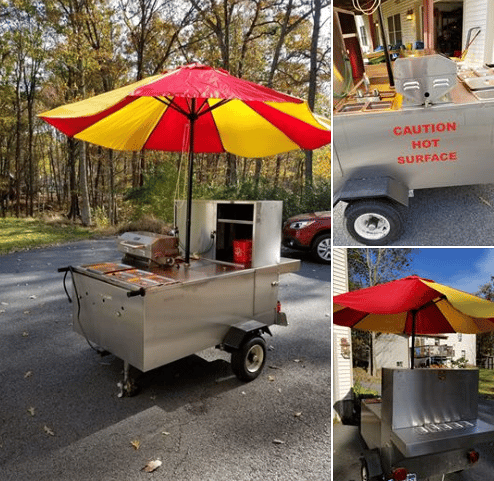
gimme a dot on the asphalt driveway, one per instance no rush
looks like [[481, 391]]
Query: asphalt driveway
[[61, 418]]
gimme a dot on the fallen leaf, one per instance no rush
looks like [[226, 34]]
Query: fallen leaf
[[4, 303], [279, 390], [27, 312], [274, 367], [2, 311], [270, 348], [165, 433], [297, 414], [25, 334], [31, 411], [278, 441], [485, 201], [28, 374], [32, 297], [152, 466], [297, 360], [136, 444], [48, 431], [271, 378]]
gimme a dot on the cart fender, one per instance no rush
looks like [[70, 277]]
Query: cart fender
[[238, 332], [373, 188], [373, 462]]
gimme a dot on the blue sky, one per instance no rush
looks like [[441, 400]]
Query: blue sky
[[464, 269]]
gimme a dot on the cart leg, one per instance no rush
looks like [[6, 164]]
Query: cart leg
[[127, 387]]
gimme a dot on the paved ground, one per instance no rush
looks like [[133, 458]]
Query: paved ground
[[348, 446], [452, 216], [61, 419]]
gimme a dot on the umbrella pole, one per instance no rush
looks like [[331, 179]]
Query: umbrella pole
[[413, 339], [192, 118]]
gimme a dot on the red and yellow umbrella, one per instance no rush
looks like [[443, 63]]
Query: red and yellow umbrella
[[194, 108], [413, 305], [229, 115]]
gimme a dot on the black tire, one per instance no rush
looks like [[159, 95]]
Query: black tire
[[321, 248], [364, 473], [374, 222], [248, 361]]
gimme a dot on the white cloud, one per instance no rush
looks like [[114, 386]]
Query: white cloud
[[480, 273]]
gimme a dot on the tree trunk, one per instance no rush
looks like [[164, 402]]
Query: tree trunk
[[313, 84], [84, 191], [85, 205], [74, 200], [231, 169]]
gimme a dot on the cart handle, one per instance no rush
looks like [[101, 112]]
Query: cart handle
[[139, 292]]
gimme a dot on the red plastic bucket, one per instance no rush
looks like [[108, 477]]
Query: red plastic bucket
[[242, 252]]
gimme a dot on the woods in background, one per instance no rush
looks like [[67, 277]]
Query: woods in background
[[54, 52]]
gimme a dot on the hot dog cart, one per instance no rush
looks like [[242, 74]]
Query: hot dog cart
[[434, 129], [425, 425], [152, 308]]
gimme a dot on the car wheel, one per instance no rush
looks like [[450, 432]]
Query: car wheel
[[248, 361], [373, 222], [321, 248]]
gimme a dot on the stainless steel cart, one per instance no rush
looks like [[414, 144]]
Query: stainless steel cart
[[434, 130], [152, 308], [425, 426]]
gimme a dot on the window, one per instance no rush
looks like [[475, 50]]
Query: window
[[394, 29], [363, 36], [459, 337]]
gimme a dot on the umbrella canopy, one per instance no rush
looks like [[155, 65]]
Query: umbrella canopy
[[413, 305], [230, 115], [194, 108]]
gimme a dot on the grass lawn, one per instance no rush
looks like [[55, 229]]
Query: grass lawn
[[486, 383], [20, 234]]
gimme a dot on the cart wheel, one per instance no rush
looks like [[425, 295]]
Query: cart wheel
[[364, 471], [321, 248], [373, 222], [248, 361]]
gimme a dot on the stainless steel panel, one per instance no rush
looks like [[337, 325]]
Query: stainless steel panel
[[266, 294], [370, 423], [480, 83], [266, 245], [426, 466], [414, 397], [424, 79], [203, 225], [193, 317], [443, 145], [413, 442], [109, 318]]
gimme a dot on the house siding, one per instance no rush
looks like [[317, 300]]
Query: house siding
[[342, 365], [409, 28], [474, 15]]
